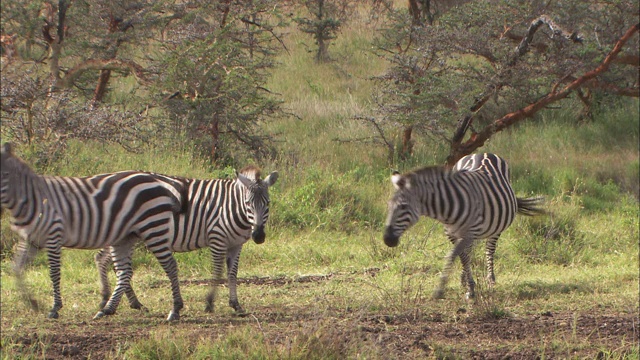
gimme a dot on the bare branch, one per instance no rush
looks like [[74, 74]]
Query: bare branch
[[535, 24], [100, 64], [478, 140]]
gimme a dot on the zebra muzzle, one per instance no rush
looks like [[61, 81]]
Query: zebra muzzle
[[258, 235], [390, 239]]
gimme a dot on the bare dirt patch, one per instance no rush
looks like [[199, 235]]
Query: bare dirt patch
[[394, 336], [406, 334]]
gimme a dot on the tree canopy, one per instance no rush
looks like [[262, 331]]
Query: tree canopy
[[473, 69]]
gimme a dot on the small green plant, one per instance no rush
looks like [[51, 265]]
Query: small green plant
[[489, 305]]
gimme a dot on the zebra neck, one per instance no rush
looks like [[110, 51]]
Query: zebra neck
[[439, 199], [244, 215], [28, 200]]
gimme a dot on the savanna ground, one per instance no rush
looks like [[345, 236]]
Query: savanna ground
[[324, 286], [331, 295]]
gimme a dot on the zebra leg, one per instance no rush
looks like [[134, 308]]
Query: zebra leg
[[459, 247], [53, 255], [490, 249], [102, 260], [134, 303], [218, 256], [463, 274], [25, 255], [467, 276], [121, 256], [170, 267], [233, 258]]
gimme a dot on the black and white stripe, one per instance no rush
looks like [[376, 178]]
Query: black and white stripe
[[474, 201], [222, 214], [108, 210]]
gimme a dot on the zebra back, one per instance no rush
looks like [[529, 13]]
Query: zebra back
[[496, 165]]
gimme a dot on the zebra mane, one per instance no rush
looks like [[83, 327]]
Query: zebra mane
[[17, 165], [430, 171], [252, 172]]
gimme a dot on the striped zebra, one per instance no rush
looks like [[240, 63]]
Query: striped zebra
[[222, 214], [108, 210], [474, 200]]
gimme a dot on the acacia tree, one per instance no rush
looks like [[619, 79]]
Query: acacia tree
[[215, 63], [63, 55], [483, 66], [326, 18], [214, 54]]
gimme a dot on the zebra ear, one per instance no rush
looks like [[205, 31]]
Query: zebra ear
[[399, 181], [271, 179], [243, 179], [6, 148]]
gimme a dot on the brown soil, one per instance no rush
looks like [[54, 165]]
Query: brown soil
[[416, 334]]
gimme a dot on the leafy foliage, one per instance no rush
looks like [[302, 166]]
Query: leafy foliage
[[462, 73], [215, 56], [327, 16], [217, 64]]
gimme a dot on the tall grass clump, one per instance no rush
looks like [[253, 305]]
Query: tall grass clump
[[556, 238], [550, 154], [318, 199]]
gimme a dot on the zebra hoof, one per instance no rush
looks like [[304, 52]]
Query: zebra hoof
[[470, 297], [438, 294], [236, 306], [99, 315], [173, 316], [53, 314], [239, 311], [137, 306]]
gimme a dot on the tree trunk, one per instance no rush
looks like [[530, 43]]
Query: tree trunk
[[105, 75], [407, 144], [323, 52], [101, 88], [214, 132]]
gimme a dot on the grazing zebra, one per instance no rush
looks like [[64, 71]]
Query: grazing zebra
[[108, 210], [221, 214], [474, 201]]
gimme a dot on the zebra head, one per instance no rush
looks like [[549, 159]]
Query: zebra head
[[11, 167], [403, 209], [5, 154], [256, 199]]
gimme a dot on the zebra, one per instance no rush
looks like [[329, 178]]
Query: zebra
[[222, 214], [474, 200], [108, 210]]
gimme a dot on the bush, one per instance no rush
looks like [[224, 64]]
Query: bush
[[329, 202], [555, 238]]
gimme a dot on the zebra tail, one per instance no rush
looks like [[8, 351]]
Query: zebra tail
[[530, 206]]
